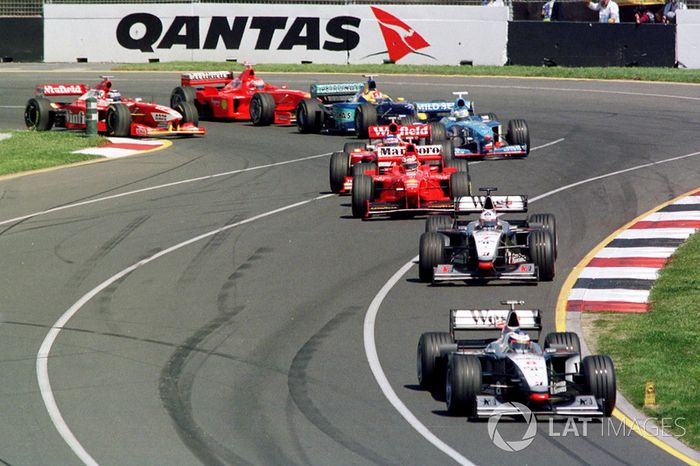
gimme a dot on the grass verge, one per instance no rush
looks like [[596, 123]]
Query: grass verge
[[661, 345], [33, 150], [640, 74]]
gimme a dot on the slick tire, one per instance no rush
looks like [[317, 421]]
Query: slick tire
[[309, 115], [548, 223], [430, 360], [448, 151], [490, 116], [542, 253], [438, 133], [338, 170], [431, 253], [38, 115], [462, 384], [600, 379], [569, 340], [460, 165], [188, 111], [118, 120], [350, 147], [365, 116], [438, 222], [460, 185], [182, 94], [362, 191], [262, 109], [518, 134], [362, 167]]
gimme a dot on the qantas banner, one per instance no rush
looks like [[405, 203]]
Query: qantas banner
[[274, 33], [688, 38]]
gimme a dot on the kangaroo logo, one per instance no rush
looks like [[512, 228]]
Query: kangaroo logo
[[399, 37]]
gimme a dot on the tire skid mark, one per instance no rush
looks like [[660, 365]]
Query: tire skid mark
[[176, 390], [77, 279], [297, 382], [227, 294]]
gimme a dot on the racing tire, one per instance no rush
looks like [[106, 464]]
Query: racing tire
[[350, 147], [460, 165], [309, 115], [38, 114], [188, 111], [431, 253], [438, 133], [262, 109], [462, 384], [362, 167], [438, 222], [518, 134], [599, 375], [338, 170], [542, 253], [362, 193], [430, 365], [448, 151], [548, 223], [490, 116], [118, 120], [567, 339], [460, 185], [408, 120], [182, 94], [365, 116]]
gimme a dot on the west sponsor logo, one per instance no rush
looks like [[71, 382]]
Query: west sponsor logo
[[340, 32]]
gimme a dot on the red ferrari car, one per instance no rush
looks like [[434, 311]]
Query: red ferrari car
[[409, 187], [116, 116], [387, 146], [218, 95]]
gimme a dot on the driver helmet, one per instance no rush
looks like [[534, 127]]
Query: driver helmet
[[488, 219], [519, 341], [114, 95], [410, 162], [461, 113], [391, 140], [258, 84]]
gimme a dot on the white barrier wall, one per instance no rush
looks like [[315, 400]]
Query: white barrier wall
[[273, 33], [688, 38]]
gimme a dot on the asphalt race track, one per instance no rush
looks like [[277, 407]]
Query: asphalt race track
[[246, 346]]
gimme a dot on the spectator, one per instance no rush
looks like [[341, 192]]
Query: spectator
[[643, 15], [608, 11], [669, 13], [550, 11]]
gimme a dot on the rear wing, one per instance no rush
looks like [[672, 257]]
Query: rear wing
[[494, 319], [394, 154], [336, 91], [434, 109], [402, 131], [476, 204], [55, 90], [204, 78]]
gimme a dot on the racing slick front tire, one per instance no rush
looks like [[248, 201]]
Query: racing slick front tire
[[518, 134], [462, 384], [338, 170], [350, 147], [438, 133], [549, 223], [309, 115], [460, 165], [262, 109], [542, 253], [490, 116], [460, 185], [118, 120], [430, 366], [431, 253], [182, 94], [599, 375], [38, 115], [569, 340], [365, 116], [362, 167], [188, 111], [362, 192], [438, 222], [448, 151]]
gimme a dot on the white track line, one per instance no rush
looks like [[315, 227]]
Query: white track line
[[161, 186], [373, 310], [42, 358]]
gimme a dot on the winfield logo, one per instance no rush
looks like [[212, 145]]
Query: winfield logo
[[415, 131], [399, 37], [61, 89]]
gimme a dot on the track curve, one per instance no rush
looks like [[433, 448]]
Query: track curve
[[246, 347]]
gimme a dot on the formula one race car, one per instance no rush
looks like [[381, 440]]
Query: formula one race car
[[488, 248], [117, 116], [409, 186], [482, 136], [387, 146], [350, 108], [218, 95], [484, 377]]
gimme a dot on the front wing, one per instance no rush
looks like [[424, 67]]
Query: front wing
[[448, 272], [187, 129], [499, 152], [581, 406]]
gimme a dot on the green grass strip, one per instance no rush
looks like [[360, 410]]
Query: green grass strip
[[641, 74], [33, 150], [662, 345]]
